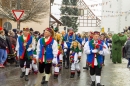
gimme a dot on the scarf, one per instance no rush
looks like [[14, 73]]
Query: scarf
[[3, 37]]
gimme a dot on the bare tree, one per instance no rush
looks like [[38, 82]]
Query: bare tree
[[34, 10]]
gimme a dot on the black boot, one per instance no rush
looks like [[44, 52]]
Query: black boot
[[63, 64], [72, 75], [55, 76], [67, 67], [78, 73], [26, 78], [98, 84], [93, 83], [16, 63], [86, 67], [22, 74], [43, 80], [46, 83]]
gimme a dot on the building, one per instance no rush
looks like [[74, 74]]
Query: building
[[26, 6], [116, 14], [88, 21]]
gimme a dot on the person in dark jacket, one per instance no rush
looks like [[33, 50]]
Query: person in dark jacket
[[3, 47], [127, 51]]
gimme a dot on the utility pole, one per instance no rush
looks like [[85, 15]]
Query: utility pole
[[18, 8]]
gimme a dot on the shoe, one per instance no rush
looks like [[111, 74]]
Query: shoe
[[43, 80], [93, 83], [55, 76], [85, 68], [63, 64], [2, 66], [78, 73], [98, 84], [67, 67], [22, 74], [46, 83], [72, 76], [26, 78], [35, 72]]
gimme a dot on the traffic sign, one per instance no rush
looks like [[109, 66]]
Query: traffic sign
[[7, 26], [17, 14]]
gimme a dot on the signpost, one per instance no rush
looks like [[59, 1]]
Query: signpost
[[18, 14]]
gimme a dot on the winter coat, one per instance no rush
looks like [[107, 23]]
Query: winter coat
[[127, 49], [3, 44]]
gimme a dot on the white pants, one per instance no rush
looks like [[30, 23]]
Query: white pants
[[34, 66], [56, 70], [75, 66]]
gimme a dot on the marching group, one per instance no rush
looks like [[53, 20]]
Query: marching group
[[39, 52]]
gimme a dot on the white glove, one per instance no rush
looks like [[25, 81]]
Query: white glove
[[101, 52], [29, 49], [65, 50], [94, 51], [54, 61]]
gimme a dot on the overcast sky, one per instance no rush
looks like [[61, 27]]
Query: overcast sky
[[55, 8]]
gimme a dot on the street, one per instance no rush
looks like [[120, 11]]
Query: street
[[112, 75]]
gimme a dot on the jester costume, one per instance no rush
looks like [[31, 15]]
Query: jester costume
[[58, 64], [46, 50], [33, 66], [95, 51], [24, 48], [75, 60], [117, 43], [68, 38]]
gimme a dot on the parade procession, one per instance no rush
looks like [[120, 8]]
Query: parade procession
[[64, 43]]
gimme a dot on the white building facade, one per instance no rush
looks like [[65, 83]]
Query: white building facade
[[120, 11]]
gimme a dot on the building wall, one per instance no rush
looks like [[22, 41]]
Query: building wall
[[116, 24], [88, 29]]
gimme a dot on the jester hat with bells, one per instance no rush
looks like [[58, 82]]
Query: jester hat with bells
[[75, 44]]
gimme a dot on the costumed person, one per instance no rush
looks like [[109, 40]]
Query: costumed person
[[75, 56], [58, 38], [47, 50], [68, 38], [84, 39], [95, 50], [102, 38], [57, 67], [64, 47], [25, 47], [3, 47], [89, 39], [79, 39], [33, 66], [118, 41]]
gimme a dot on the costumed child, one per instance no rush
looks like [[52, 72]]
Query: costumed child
[[64, 48], [75, 56], [57, 62], [33, 66]]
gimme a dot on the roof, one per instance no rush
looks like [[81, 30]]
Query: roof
[[59, 22]]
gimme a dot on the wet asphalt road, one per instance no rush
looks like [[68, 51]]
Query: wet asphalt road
[[112, 75]]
